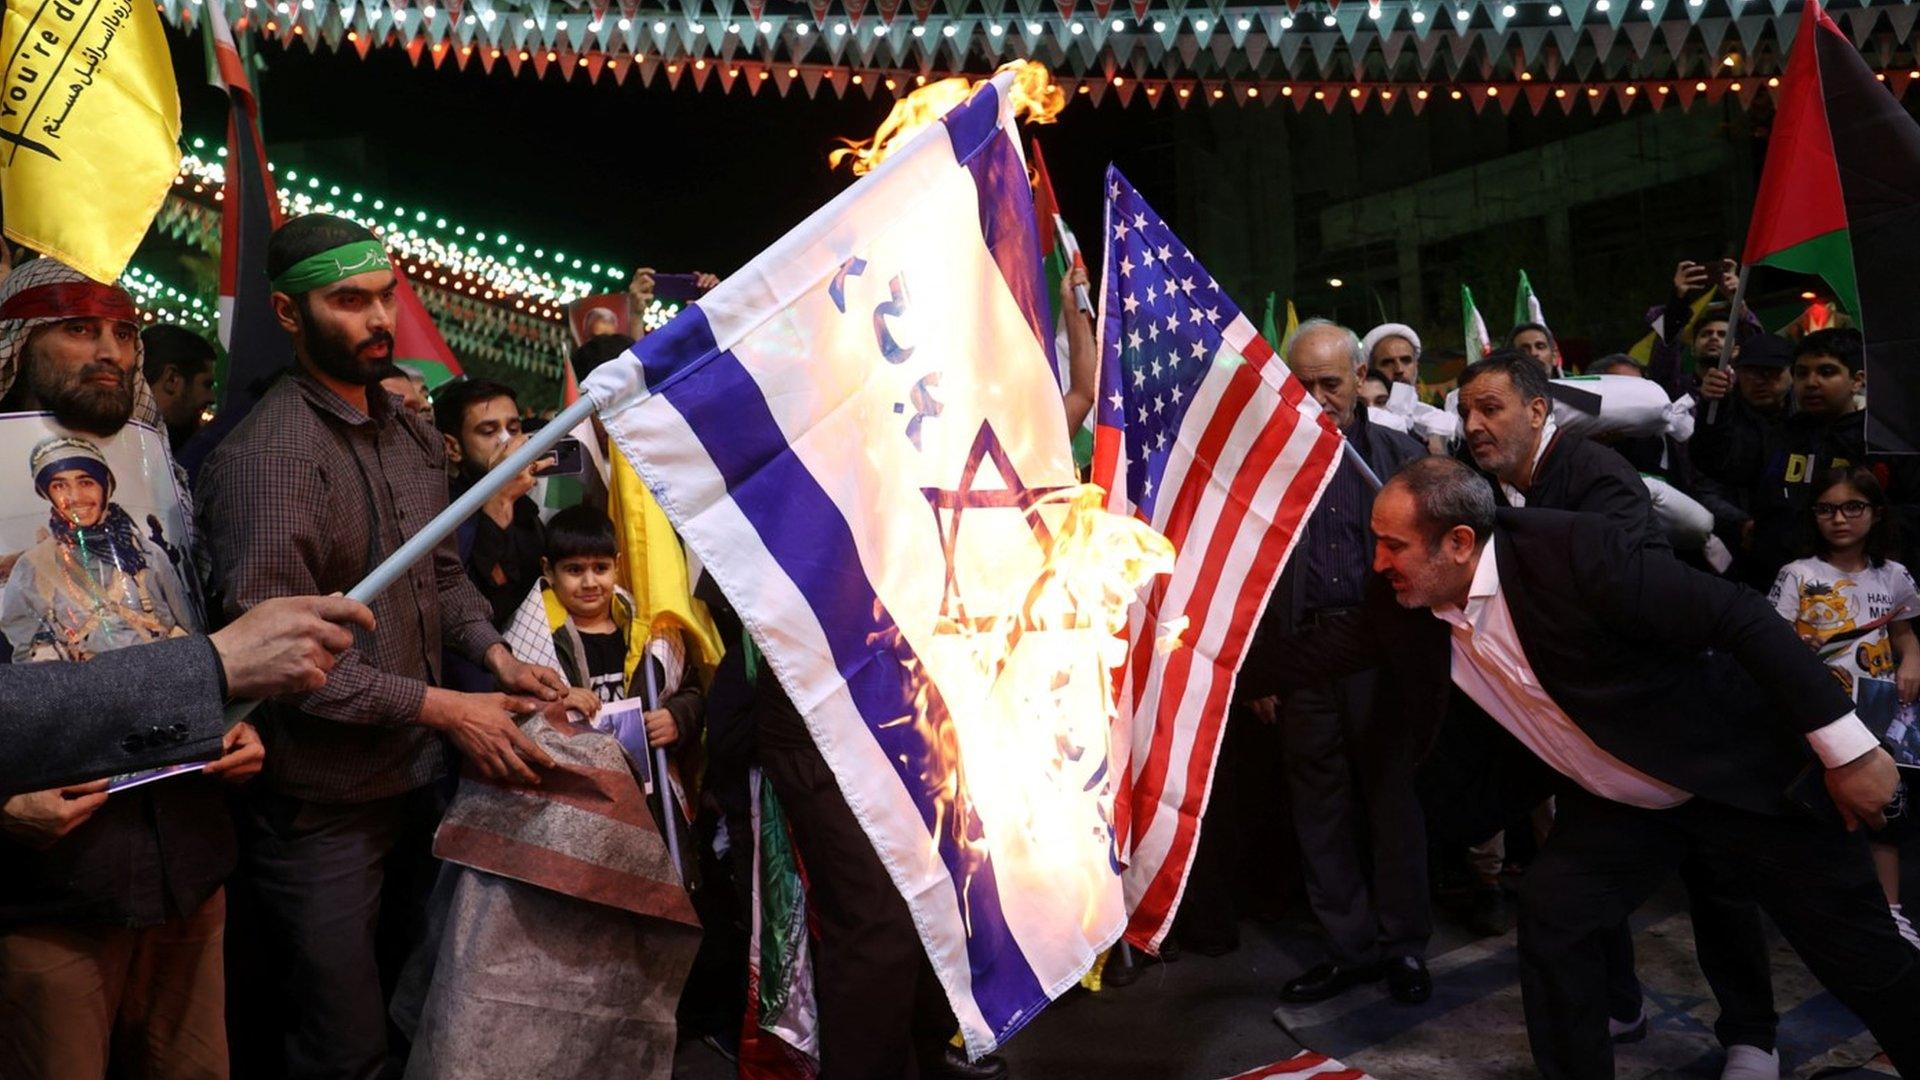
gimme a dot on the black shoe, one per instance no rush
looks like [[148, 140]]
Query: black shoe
[[952, 1064], [1328, 980], [1408, 981], [1486, 914]]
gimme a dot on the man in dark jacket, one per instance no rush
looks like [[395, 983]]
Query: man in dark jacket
[[1345, 783], [1731, 438], [500, 545], [111, 907], [1588, 653]]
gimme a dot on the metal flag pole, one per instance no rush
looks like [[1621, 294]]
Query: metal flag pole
[[663, 780], [1734, 312], [448, 520]]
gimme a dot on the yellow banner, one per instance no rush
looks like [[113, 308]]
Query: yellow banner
[[89, 128]]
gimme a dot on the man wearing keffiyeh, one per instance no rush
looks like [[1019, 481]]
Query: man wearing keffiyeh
[[71, 346]]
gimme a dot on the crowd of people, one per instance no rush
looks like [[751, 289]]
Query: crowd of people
[[1526, 665]]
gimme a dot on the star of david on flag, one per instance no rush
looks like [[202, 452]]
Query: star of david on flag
[[861, 437], [1203, 433]]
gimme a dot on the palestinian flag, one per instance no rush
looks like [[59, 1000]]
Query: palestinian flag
[[1474, 328], [1840, 193], [256, 349], [1062, 256], [416, 340]]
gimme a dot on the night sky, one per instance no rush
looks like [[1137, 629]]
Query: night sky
[[676, 179]]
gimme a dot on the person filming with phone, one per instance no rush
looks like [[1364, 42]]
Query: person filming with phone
[[501, 545]]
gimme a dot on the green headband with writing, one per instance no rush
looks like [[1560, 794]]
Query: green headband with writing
[[331, 265]]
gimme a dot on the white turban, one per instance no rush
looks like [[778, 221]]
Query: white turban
[[1386, 330]]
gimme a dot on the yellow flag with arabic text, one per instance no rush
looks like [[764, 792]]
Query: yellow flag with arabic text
[[656, 573], [89, 128]]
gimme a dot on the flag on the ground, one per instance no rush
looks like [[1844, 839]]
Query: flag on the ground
[[1205, 435], [415, 337], [819, 428], [1478, 342], [89, 136], [779, 1034], [1840, 197], [1306, 1063]]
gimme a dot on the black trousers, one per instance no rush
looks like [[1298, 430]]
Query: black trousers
[[881, 1006], [1604, 859], [338, 898], [1363, 842]]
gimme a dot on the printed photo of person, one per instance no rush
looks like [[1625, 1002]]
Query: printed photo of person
[[95, 582]]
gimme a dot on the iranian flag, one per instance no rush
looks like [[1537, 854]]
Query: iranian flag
[[1474, 332], [1526, 306], [1840, 197]]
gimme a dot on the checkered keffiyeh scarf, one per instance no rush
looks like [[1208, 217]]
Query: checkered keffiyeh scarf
[[13, 342], [14, 333]]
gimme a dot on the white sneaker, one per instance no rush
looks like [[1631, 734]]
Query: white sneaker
[[1751, 1063], [1906, 928]]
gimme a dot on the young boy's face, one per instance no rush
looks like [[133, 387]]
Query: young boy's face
[[584, 584]]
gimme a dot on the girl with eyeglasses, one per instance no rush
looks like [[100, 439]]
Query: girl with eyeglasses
[[1854, 605]]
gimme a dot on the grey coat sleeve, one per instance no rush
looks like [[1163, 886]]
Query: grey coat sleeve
[[130, 709]]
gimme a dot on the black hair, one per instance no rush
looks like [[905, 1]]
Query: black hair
[[169, 346], [1513, 335], [1526, 375], [1883, 539], [1612, 362], [597, 350], [1840, 342], [578, 532], [451, 402], [1448, 494], [1713, 313], [309, 235]]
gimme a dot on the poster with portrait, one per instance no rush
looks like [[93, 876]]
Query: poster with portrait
[[591, 316], [93, 542]]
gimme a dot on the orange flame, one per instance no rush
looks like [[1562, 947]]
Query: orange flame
[[1032, 669], [1036, 100]]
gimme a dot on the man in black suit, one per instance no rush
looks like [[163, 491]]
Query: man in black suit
[[1356, 816], [1586, 652], [1506, 414]]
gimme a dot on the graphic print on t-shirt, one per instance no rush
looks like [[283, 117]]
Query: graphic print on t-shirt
[[606, 664]]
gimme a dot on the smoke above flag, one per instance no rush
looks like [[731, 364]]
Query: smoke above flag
[[1840, 197]]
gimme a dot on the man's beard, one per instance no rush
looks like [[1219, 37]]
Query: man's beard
[[339, 360], [79, 404]]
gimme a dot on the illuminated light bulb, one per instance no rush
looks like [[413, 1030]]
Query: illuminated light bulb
[[1286, 91], [1455, 94], [1118, 81], [996, 30], [1319, 95], [1418, 17], [1554, 11], [948, 31], [1286, 22], [1073, 28], [890, 85], [1353, 92], [1773, 83], [1034, 28], [526, 24], [1593, 91], [429, 11], [1735, 87], [698, 28], [561, 26], [839, 29], [1159, 26], [1665, 89], [1602, 5], [659, 27], [1184, 91], [1559, 92], [880, 30], [1218, 94], [1493, 91], [1632, 90], [1328, 20], [1374, 12], [1335, 282], [802, 30], [733, 28], [1700, 87], [1243, 25], [1116, 26], [1253, 91], [857, 80], [919, 31], [1200, 26], [1508, 11], [1646, 5], [594, 26], [1526, 76], [624, 25]]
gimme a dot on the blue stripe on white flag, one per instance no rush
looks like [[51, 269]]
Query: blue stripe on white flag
[[806, 534]]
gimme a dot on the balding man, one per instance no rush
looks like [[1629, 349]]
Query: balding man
[[1670, 714], [1371, 898]]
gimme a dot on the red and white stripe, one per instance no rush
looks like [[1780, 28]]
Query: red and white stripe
[[1251, 459], [1304, 1064]]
